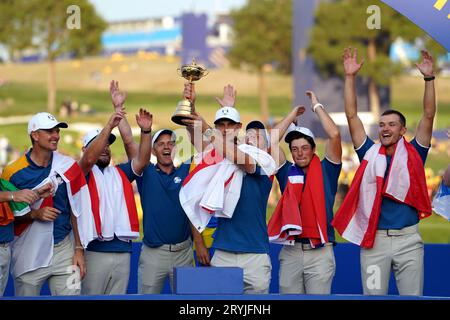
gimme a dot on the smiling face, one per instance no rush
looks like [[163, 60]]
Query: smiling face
[[164, 150], [390, 129], [302, 152], [46, 139]]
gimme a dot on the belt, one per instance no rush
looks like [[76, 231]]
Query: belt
[[308, 246], [399, 232], [176, 247]]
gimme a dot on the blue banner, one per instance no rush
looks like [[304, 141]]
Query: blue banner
[[433, 16]]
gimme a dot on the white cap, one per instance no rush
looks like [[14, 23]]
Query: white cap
[[88, 137], [292, 130], [229, 113], [44, 120], [163, 131]]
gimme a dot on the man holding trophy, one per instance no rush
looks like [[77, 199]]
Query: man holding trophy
[[240, 240]]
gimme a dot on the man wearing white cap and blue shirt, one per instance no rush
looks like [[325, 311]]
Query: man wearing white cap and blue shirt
[[108, 256], [26, 173], [167, 236], [242, 240], [309, 187]]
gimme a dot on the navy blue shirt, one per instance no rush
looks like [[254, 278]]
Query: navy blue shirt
[[25, 174], [330, 173], [246, 231], [164, 219], [114, 245], [7, 233], [394, 215]]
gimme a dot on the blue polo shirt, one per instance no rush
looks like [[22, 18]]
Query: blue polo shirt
[[330, 173], [114, 245], [246, 231], [395, 215], [7, 233], [164, 219], [25, 174]]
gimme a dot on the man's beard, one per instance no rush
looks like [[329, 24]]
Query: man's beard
[[103, 163]]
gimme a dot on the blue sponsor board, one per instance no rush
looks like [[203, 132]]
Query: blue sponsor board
[[347, 279]]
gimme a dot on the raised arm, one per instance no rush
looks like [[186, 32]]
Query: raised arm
[[351, 68], [333, 147], [144, 120], [229, 97], [118, 99], [425, 127], [278, 131], [97, 146]]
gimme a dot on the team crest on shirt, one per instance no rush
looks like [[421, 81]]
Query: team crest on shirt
[[177, 179]]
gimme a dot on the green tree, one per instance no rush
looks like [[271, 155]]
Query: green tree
[[47, 26], [263, 35], [15, 27], [343, 23]]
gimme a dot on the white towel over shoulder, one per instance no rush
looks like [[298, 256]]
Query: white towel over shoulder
[[118, 215], [214, 189]]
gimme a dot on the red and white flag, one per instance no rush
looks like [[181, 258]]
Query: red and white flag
[[113, 205], [357, 218], [301, 210], [32, 248]]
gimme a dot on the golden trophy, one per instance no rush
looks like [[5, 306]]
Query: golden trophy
[[191, 72]]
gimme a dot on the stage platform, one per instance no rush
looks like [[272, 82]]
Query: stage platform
[[346, 284]]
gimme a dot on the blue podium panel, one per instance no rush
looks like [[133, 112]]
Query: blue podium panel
[[208, 280]]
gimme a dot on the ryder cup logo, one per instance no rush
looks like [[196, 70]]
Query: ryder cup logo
[[177, 180]]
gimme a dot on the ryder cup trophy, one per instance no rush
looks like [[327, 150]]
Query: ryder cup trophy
[[191, 72]]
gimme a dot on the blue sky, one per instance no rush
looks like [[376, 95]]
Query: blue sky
[[113, 10]]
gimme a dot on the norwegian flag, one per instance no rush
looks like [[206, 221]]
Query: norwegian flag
[[301, 210]]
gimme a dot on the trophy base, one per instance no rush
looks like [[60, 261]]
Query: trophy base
[[183, 112]]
